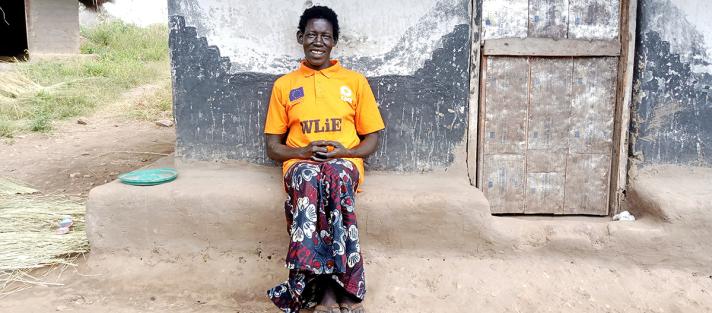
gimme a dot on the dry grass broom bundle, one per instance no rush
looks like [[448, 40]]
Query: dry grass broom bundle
[[11, 188], [13, 85], [22, 214], [29, 238], [34, 250]]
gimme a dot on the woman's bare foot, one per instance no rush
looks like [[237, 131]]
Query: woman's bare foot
[[349, 304], [328, 303], [329, 298]]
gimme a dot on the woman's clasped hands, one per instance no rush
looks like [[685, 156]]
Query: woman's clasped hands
[[324, 150]]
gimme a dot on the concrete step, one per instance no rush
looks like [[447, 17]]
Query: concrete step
[[239, 208], [673, 194]]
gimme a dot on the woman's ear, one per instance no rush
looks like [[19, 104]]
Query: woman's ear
[[300, 37]]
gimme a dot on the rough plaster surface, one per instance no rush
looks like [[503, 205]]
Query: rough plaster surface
[[673, 193], [672, 80], [237, 209], [396, 39], [219, 229], [220, 111]]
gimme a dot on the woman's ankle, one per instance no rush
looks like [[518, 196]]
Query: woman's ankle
[[346, 298], [329, 297]]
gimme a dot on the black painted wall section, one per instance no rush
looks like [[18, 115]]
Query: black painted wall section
[[220, 115], [672, 114], [425, 114]]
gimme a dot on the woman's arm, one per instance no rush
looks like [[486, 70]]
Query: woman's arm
[[278, 151]]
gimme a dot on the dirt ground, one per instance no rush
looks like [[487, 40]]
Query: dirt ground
[[514, 283], [76, 157]]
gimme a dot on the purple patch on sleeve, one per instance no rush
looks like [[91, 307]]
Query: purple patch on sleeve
[[296, 93]]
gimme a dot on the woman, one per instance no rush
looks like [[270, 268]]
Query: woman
[[321, 122]]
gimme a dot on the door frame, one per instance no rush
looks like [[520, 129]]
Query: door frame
[[623, 48]]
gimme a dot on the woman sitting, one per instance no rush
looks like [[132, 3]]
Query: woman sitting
[[322, 121]]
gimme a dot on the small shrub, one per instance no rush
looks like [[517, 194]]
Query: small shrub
[[41, 123]]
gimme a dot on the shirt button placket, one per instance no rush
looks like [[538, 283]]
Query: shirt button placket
[[316, 84]]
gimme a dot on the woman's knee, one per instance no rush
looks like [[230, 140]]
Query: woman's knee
[[304, 171], [343, 169]]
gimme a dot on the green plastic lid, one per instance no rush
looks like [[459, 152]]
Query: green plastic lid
[[149, 177]]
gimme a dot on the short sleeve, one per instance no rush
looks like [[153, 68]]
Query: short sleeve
[[368, 117], [277, 122]]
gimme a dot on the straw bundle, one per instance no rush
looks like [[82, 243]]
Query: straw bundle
[[10, 188], [35, 250], [13, 85], [25, 214], [29, 239]]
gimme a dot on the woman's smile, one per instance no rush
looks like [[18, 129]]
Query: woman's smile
[[317, 39]]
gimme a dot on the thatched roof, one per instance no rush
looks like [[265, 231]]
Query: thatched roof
[[93, 4]]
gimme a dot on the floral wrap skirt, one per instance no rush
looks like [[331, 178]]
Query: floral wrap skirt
[[324, 243]]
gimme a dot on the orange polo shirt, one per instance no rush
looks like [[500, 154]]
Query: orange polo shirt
[[332, 104]]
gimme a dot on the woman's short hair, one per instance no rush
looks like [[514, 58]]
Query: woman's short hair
[[320, 12]]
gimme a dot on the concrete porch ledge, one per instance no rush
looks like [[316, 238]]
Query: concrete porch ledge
[[239, 208], [673, 194], [220, 229], [236, 210]]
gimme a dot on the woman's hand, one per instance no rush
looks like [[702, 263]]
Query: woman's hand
[[338, 150], [278, 151], [320, 150], [316, 150]]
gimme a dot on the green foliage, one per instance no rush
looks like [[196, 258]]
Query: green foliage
[[7, 128], [123, 57], [159, 104]]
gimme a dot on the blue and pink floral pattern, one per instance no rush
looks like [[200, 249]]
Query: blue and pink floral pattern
[[322, 226]]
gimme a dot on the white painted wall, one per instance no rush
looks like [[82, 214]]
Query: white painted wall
[[53, 27], [674, 24], [260, 36]]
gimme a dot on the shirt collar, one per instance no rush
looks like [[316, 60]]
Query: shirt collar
[[328, 72]]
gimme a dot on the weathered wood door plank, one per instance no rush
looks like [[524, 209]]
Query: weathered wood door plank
[[547, 133], [550, 104], [506, 98], [549, 47], [594, 19], [504, 182], [587, 178], [504, 18], [593, 105], [548, 18]]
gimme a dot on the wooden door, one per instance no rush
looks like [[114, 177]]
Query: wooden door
[[548, 105]]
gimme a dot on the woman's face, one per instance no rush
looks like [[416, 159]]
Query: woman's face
[[317, 41]]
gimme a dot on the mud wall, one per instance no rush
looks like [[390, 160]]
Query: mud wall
[[415, 54], [52, 26], [672, 114]]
